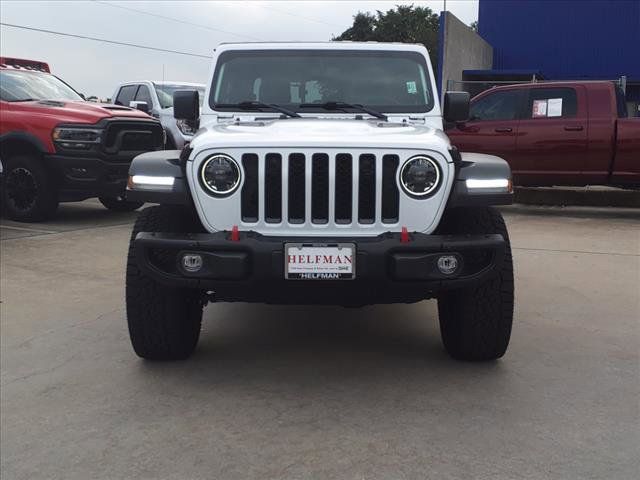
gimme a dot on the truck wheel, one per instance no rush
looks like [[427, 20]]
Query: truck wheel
[[475, 322], [164, 322], [119, 204], [27, 192]]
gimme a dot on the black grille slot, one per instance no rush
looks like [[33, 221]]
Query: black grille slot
[[250, 199], [367, 189], [344, 188], [320, 188], [390, 193], [296, 188], [273, 188]]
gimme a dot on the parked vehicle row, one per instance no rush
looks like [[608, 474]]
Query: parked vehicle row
[[56, 147]]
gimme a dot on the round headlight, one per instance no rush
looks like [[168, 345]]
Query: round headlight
[[420, 176], [220, 174]]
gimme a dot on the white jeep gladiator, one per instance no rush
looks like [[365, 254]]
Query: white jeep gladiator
[[320, 174]]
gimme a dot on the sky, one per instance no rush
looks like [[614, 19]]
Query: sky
[[96, 68]]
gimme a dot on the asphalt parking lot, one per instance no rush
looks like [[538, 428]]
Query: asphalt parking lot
[[320, 392]]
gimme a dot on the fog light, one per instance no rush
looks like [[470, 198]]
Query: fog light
[[447, 264], [191, 262]]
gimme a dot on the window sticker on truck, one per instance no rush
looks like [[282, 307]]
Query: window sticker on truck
[[539, 108], [554, 107], [548, 107]]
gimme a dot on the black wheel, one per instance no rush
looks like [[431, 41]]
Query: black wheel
[[164, 323], [475, 322], [28, 194], [120, 204]]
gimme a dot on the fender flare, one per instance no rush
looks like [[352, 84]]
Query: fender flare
[[162, 163], [479, 166], [24, 137]]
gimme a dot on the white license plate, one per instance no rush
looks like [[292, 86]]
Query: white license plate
[[307, 261]]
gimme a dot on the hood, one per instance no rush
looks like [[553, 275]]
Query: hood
[[320, 132], [78, 111]]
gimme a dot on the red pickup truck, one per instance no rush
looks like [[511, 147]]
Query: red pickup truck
[[55, 147], [555, 133]]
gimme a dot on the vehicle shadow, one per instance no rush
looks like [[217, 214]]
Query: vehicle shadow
[[77, 215], [572, 211], [309, 346]]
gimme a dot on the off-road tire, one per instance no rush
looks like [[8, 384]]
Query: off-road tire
[[28, 194], [475, 322], [164, 322], [119, 204]]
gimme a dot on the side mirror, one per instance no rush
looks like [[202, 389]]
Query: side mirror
[[142, 106], [456, 106], [186, 105]]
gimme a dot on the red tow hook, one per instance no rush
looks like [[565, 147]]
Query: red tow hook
[[404, 235], [235, 234]]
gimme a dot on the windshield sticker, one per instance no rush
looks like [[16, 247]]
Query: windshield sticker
[[539, 108], [554, 107], [411, 88]]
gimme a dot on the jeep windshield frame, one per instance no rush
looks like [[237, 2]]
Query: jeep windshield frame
[[388, 81]]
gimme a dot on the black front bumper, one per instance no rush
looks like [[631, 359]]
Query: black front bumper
[[81, 177], [251, 269]]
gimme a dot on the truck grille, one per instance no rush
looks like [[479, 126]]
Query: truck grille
[[320, 188], [132, 137]]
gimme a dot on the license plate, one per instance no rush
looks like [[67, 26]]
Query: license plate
[[308, 261]]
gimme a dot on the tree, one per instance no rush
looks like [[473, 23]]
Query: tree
[[405, 23]]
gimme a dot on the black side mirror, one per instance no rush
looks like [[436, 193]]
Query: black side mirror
[[456, 106], [186, 105]]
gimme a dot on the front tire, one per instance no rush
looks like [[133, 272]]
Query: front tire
[[120, 204], [164, 322], [28, 194], [475, 322]]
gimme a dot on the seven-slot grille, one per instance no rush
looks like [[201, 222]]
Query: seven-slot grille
[[320, 188]]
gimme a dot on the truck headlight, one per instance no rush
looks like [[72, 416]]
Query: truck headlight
[[420, 176], [220, 174], [76, 137], [186, 127]]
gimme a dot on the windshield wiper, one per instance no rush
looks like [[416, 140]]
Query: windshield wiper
[[253, 105], [345, 106], [24, 100]]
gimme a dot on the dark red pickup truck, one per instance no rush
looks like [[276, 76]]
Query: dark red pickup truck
[[560, 133]]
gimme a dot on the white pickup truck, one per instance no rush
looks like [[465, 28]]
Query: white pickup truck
[[320, 174]]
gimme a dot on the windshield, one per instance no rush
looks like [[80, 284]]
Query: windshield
[[387, 81], [16, 86], [165, 93]]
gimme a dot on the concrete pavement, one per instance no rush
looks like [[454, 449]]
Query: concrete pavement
[[322, 392]]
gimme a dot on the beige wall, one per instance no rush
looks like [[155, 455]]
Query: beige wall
[[463, 49]]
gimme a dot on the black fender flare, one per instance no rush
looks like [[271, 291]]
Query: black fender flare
[[480, 166], [162, 163], [24, 137]]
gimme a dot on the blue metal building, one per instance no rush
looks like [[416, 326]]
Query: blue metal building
[[565, 39]]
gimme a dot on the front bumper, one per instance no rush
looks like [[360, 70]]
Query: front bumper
[[251, 269], [81, 177]]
